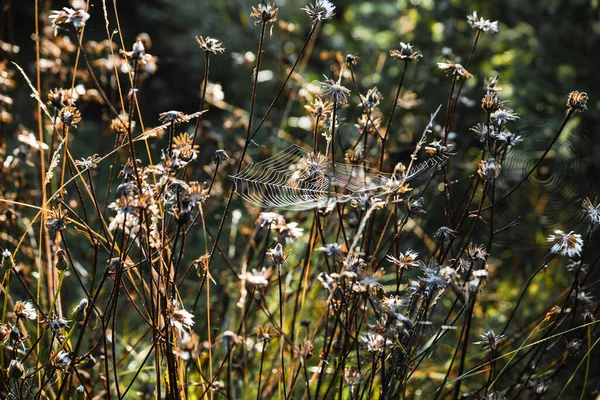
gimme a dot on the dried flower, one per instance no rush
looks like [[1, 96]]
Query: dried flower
[[592, 209], [490, 340], [476, 253], [265, 12], [7, 260], [334, 91], [406, 53], [319, 108], [25, 310], [56, 221], [484, 25], [68, 16], [70, 116], [220, 156], [121, 124], [258, 278], [210, 45], [504, 115], [320, 11], [566, 244], [455, 69], [371, 100], [180, 319], [490, 103], [88, 163], [277, 255], [351, 59], [406, 260], [577, 101], [489, 169], [266, 333], [57, 324], [333, 250], [173, 117]]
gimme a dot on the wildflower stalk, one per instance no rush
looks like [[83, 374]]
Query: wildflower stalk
[[246, 144], [391, 118]]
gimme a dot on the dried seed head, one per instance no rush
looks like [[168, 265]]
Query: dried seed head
[[70, 116], [406, 53], [7, 260], [25, 310], [566, 244], [173, 117], [319, 108], [61, 260], [220, 156], [351, 60], [120, 124], [277, 255], [210, 45], [490, 340], [320, 11], [491, 103], [489, 169], [592, 209], [334, 91], [484, 25], [264, 13], [455, 69], [68, 16], [577, 101]]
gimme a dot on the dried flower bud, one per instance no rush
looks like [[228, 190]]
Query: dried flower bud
[[406, 53], [490, 103], [577, 101], [277, 255], [61, 260], [220, 156], [70, 116]]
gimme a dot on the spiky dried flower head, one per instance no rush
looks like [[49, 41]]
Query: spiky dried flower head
[[405, 260], [577, 101], [180, 319], [173, 117], [476, 252], [89, 162], [25, 310], [183, 147], [334, 91], [489, 340], [484, 25], [56, 221], [491, 103], [372, 99], [68, 16], [220, 156], [489, 169], [210, 45], [492, 85], [70, 116], [566, 244], [121, 123], [318, 108], [406, 53], [455, 69], [321, 10], [351, 59], [266, 333], [264, 13], [504, 115], [277, 255], [592, 209], [7, 260], [58, 98]]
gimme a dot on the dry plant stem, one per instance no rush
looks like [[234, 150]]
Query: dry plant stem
[[282, 87], [391, 118], [241, 160]]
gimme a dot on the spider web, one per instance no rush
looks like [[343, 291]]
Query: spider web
[[297, 179]]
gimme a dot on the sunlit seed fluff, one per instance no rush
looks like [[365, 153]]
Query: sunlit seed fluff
[[334, 91], [25, 310], [321, 10], [566, 244], [592, 209], [577, 101]]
